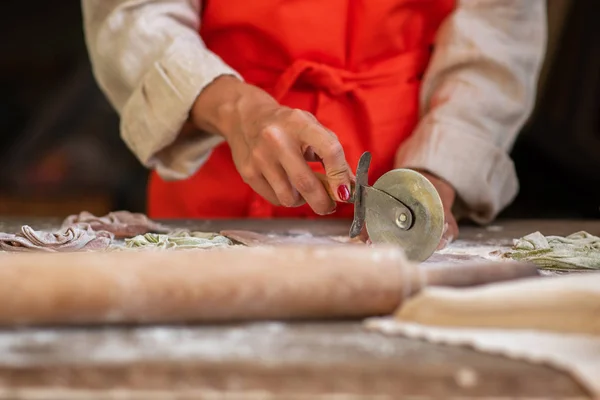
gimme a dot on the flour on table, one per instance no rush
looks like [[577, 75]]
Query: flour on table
[[253, 239], [494, 228], [489, 250], [270, 342]]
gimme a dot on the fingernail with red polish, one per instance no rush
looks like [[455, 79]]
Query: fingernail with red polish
[[343, 193]]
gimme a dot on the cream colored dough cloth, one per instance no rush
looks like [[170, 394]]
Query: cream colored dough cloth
[[551, 320]]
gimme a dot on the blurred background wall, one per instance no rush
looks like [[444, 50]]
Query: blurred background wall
[[61, 153]]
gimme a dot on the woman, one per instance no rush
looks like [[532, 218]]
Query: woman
[[233, 104]]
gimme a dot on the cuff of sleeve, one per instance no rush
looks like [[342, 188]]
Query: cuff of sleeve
[[156, 112], [482, 174]]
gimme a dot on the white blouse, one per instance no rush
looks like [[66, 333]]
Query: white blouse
[[477, 93]]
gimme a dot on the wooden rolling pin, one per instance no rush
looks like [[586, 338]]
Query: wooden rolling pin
[[294, 282]]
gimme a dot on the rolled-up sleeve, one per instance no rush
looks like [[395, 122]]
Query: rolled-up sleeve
[[151, 64], [477, 94]]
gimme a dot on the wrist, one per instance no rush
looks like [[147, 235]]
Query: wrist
[[220, 105], [432, 176], [444, 188]]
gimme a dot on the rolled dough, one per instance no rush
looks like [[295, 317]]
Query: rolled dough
[[71, 238], [123, 224]]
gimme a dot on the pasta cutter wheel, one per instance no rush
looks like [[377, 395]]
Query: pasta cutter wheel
[[402, 208]]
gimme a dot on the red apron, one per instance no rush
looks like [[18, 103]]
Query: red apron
[[355, 64]]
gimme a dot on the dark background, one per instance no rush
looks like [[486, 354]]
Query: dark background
[[61, 152]]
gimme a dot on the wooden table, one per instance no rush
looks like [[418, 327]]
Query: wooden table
[[270, 360]]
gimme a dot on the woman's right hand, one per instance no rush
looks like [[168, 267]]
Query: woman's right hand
[[271, 145]]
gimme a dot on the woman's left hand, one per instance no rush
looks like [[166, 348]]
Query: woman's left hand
[[447, 195]]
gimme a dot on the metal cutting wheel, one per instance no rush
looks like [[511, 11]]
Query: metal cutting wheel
[[419, 195], [402, 208]]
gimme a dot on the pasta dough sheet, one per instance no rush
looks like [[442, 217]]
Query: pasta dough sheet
[[576, 355], [552, 320], [564, 304]]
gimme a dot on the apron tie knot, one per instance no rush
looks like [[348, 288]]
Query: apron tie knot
[[337, 81], [328, 79]]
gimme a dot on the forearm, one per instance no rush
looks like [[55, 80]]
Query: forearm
[[151, 64], [477, 94]]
